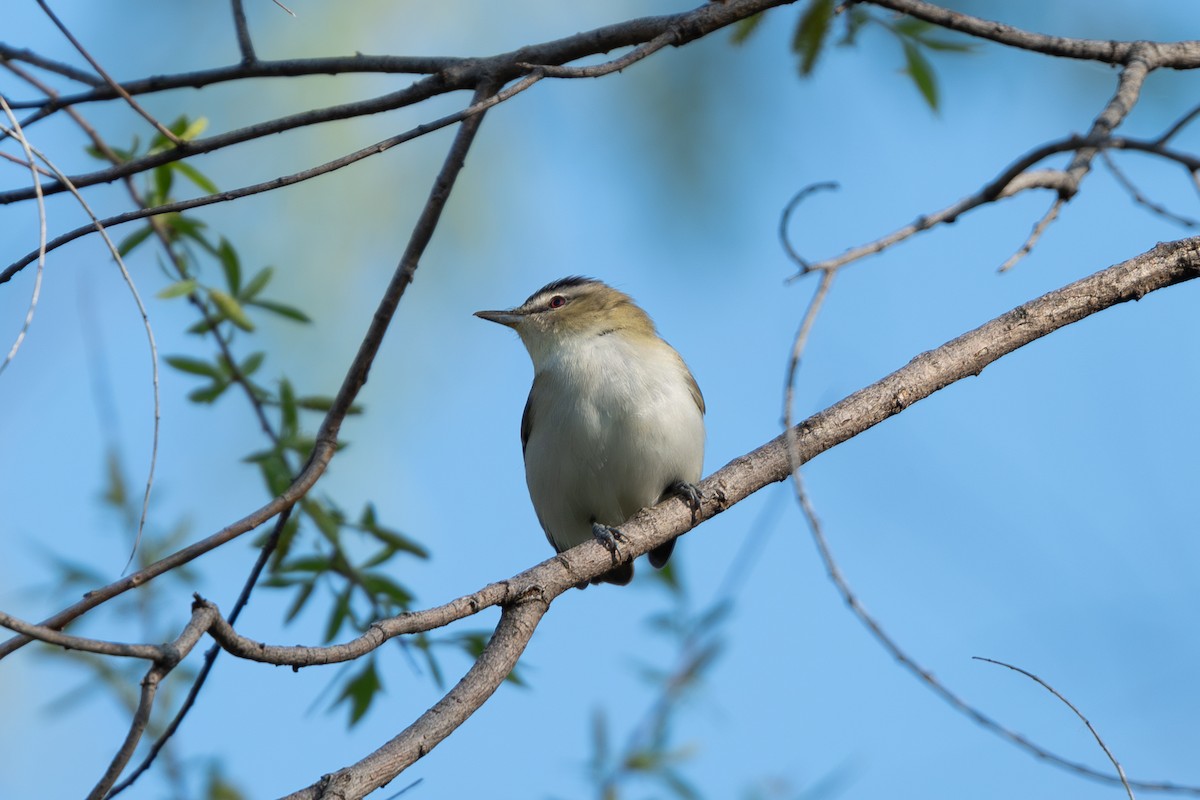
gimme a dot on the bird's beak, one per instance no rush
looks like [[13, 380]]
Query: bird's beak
[[510, 318]]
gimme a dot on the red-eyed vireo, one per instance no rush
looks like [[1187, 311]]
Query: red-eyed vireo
[[614, 422]]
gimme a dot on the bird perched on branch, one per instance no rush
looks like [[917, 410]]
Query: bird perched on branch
[[614, 422]]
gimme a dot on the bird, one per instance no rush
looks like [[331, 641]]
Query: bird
[[614, 421]]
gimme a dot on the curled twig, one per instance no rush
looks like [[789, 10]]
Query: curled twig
[[1078, 713]]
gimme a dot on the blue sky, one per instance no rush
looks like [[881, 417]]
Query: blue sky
[[1040, 514]]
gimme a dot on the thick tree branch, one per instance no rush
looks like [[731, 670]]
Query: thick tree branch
[[464, 74], [525, 597], [277, 183], [1174, 55]]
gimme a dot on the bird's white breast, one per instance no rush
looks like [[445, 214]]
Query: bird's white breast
[[615, 423]]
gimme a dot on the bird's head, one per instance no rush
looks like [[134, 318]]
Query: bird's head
[[570, 309]]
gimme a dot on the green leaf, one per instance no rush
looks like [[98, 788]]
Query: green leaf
[[316, 564], [422, 642], [306, 590], [323, 403], [219, 788], [195, 176], [231, 309], [189, 227], [202, 327], [190, 130], [911, 27], [856, 18], [195, 366], [251, 364], [811, 32], [230, 264], [256, 284], [283, 310], [133, 240], [398, 541], [381, 586], [178, 289], [163, 177], [360, 691], [339, 614], [208, 394], [326, 520], [744, 27], [289, 415], [115, 493], [921, 71]]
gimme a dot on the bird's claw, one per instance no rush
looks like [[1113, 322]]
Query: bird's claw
[[609, 537], [690, 494]]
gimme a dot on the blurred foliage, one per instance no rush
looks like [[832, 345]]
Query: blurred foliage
[[228, 301], [650, 754], [816, 25], [348, 560]]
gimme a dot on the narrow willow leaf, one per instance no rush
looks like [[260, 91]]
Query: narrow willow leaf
[[177, 289], [195, 366], [744, 27], [360, 691], [231, 309], [195, 176], [208, 394], [921, 71], [811, 32], [231, 265], [256, 284], [163, 178], [133, 240], [291, 312], [251, 364]]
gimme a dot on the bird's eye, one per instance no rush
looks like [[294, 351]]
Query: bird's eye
[[558, 301]]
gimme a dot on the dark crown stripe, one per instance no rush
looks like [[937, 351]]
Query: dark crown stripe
[[569, 282]]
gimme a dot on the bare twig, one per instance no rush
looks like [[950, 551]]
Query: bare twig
[[210, 656], [1035, 235], [116, 87], [137, 299], [286, 180], [172, 653], [1078, 713], [1141, 199], [41, 250], [245, 44], [1179, 125], [785, 220], [98, 646], [635, 55], [198, 79], [1129, 87]]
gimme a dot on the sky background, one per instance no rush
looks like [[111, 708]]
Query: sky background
[[1041, 514]]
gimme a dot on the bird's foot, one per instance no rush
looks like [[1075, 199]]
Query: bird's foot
[[689, 493], [610, 537]]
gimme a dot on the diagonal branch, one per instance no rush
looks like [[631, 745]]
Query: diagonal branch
[[1176, 55], [281, 181], [525, 597], [116, 87], [326, 440]]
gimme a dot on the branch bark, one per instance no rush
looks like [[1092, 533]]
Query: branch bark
[[525, 597]]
